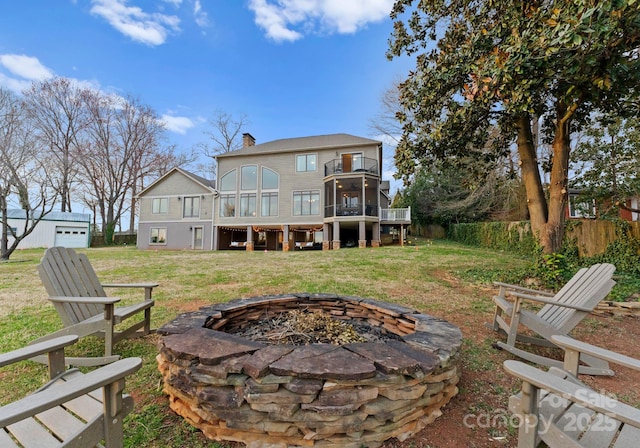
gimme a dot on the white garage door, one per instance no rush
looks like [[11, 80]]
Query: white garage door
[[71, 236]]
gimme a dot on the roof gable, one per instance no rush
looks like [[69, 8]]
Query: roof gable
[[205, 183]]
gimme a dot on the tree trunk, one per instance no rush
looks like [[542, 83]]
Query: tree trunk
[[536, 201], [4, 239], [559, 180]]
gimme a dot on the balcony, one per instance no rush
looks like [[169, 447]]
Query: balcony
[[395, 215], [351, 165], [358, 210]]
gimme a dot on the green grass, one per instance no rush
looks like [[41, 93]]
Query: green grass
[[445, 279]]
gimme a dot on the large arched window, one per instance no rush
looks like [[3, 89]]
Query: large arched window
[[228, 181]]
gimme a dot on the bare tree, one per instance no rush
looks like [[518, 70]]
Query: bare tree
[[386, 122], [56, 109], [226, 133], [121, 145], [24, 180], [225, 136]]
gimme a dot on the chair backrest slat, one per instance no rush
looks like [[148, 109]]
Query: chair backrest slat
[[66, 273], [586, 289]]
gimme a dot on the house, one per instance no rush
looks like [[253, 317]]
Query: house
[[580, 207], [176, 212], [55, 229], [320, 192]]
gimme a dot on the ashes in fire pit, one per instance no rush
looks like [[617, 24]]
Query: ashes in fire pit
[[240, 371], [302, 327]]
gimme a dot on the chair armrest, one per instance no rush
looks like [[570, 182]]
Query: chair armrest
[[76, 387], [37, 349], [508, 287], [571, 345], [148, 287], [577, 393], [130, 285], [549, 302], [92, 300]]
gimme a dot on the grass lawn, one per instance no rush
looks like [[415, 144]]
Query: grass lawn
[[439, 278]]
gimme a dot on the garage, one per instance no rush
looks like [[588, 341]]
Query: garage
[[67, 236], [54, 229]]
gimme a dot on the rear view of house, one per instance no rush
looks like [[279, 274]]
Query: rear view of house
[[320, 192]]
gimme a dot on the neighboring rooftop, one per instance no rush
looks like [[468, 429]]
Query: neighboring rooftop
[[52, 216], [303, 143]]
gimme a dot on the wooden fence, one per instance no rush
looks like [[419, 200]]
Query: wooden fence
[[593, 236]]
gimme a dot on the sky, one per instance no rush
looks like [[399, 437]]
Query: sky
[[293, 68]]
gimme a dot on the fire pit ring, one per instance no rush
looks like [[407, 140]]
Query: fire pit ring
[[317, 395]]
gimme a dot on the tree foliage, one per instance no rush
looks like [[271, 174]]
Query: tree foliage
[[607, 163], [484, 63]]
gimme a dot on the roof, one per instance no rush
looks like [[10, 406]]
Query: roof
[[18, 213], [210, 184], [303, 143]]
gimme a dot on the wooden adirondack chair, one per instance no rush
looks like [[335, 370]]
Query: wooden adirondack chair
[[560, 313], [556, 410], [85, 310], [73, 409]]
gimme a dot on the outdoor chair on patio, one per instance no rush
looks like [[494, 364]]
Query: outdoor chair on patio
[[82, 304], [560, 313], [559, 411], [73, 409]]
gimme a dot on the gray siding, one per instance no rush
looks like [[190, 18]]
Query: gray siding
[[285, 165]]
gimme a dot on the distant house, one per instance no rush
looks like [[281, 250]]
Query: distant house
[[580, 207], [319, 192], [55, 229]]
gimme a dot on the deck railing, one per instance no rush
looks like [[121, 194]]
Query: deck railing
[[396, 214], [362, 165]]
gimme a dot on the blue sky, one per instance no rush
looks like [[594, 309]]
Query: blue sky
[[292, 67]]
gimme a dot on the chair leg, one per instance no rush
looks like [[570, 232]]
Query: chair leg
[[147, 321]]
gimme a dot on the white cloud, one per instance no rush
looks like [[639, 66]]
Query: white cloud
[[132, 21], [20, 71], [201, 17], [179, 125], [279, 18], [26, 67], [175, 3]]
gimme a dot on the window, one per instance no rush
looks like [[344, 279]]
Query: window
[[269, 205], [580, 207], [269, 179], [306, 162], [159, 205], [227, 205], [158, 235], [351, 200], [228, 181], [249, 177], [191, 207], [306, 203], [248, 204]]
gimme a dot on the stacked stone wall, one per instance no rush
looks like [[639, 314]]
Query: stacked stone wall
[[317, 395]]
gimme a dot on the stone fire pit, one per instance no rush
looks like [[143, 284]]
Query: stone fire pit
[[317, 395]]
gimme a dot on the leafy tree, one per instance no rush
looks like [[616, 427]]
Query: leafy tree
[[483, 63], [607, 163]]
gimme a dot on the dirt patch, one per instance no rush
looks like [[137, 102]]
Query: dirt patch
[[477, 416]]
